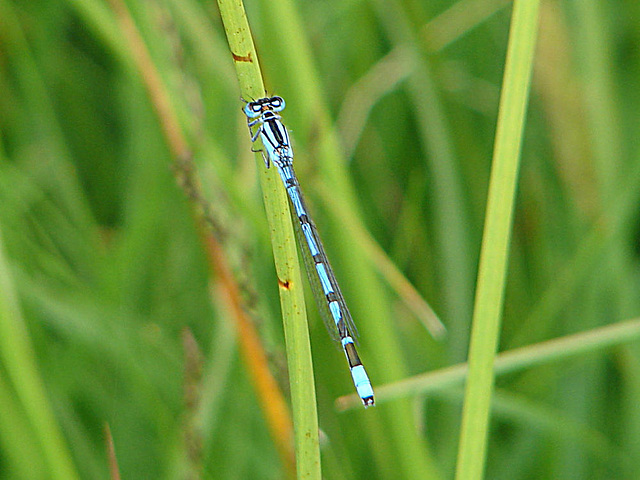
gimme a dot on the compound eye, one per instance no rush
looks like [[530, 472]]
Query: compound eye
[[255, 107], [251, 111], [277, 103]]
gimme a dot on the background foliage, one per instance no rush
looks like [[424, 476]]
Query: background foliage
[[102, 261]]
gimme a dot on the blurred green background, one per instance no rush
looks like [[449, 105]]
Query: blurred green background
[[103, 269]]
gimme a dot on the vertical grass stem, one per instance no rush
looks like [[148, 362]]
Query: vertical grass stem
[[495, 242]]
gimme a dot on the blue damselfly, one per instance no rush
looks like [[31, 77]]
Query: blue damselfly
[[265, 123]]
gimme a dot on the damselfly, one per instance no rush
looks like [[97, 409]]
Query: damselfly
[[263, 115]]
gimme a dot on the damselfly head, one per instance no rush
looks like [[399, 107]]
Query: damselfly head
[[257, 107]]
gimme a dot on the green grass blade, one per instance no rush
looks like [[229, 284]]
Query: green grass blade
[[495, 243], [285, 255], [20, 363]]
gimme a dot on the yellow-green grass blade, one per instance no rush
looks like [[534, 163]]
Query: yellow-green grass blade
[[495, 242]]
